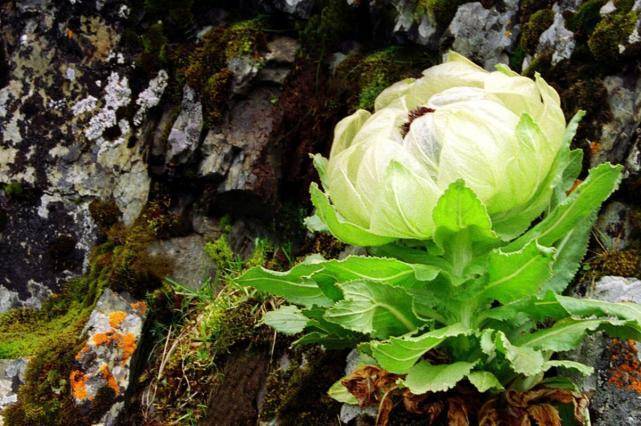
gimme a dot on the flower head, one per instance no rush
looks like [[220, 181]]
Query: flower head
[[498, 131]]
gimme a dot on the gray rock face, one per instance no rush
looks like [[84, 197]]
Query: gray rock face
[[192, 265], [63, 135], [557, 40], [421, 30], [185, 133], [104, 362], [299, 8], [11, 377], [618, 136], [614, 227], [485, 35]]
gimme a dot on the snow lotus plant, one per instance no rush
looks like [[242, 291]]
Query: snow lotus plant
[[463, 187]]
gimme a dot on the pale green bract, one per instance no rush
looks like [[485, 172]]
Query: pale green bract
[[498, 131], [454, 263]]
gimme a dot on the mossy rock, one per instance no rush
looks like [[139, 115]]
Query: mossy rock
[[442, 10], [611, 33], [535, 26], [586, 17]]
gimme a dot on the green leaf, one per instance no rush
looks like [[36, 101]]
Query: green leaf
[[286, 320], [569, 253], [587, 198], [326, 340], [377, 269], [515, 275], [484, 381], [463, 227], [580, 368], [570, 174], [376, 309], [523, 360], [568, 333], [425, 377], [399, 354], [345, 231], [340, 393], [317, 322], [294, 285], [459, 209], [591, 307]]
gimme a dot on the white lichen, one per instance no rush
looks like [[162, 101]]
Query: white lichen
[[150, 97], [117, 94]]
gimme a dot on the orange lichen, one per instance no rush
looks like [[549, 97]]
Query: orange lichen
[[625, 367], [78, 382], [140, 307], [102, 338], [111, 380], [595, 147], [127, 343], [116, 318], [82, 351]]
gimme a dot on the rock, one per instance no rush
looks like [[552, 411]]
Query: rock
[[102, 367], [607, 8], [11, 377], [485, 35], [192, 265], [282, 50], [244, 69], [8, 299], [615, 399], [619, 134], [421, 30], [236, 153], [217, 155], [557, 40], [614, 226], [274, 74], [299, 8], [185, 133], [618, 289]]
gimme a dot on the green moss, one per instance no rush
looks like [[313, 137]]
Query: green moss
[[221, 253], [154, 48], [244, 38], [12, 189], [625, 263], [378, 70], [516, 58], [322, 31], [442, 10], [105, 213], [586, 17], [45, 397], [610, 33], [623, 5], [532, 30]]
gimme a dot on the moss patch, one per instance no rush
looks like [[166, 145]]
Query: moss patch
[[378, 70], [532, 30], [611, 33], [586, 17], [442, 10]]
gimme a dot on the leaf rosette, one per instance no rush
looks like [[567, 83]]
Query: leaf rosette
[[455, 266]]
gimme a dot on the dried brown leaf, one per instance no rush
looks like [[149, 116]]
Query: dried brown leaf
[[458, 412], [544, 414]]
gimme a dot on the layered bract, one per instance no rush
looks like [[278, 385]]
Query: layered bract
[[498, 131]]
